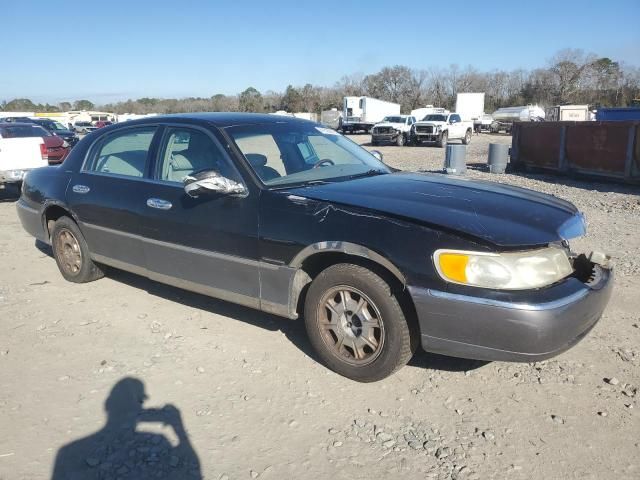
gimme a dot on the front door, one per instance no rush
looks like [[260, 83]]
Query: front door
[[207, 244], [105, 196]]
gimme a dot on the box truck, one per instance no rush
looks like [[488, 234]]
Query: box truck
[[362, 113], [470, 106]]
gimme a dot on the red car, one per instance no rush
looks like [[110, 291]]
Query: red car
[[57, 147], [102, 124]]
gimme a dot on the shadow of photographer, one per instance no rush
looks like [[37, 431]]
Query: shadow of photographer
[[120, 451]]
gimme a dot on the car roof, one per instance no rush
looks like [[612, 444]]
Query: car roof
[[18, 124], [223, 119]]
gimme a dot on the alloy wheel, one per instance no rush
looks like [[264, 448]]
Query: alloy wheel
[[351, 325]]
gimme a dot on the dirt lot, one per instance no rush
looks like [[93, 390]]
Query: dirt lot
[[254, 403]]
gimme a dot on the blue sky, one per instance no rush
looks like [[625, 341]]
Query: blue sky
[[113, 50]]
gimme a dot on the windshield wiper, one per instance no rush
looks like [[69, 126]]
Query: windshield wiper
[[368, 173]]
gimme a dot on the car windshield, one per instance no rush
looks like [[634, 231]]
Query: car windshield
[[288, 153], [393, 119], [20, 131], [56, 126], [435, 118]]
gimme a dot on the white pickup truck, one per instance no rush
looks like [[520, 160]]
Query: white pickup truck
[[393, 128], [18, 156], [440, 128]]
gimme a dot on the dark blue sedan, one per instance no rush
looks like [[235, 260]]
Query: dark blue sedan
[[285, 216]]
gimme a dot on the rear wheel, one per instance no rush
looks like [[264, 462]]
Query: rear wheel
[[72, 254], [356, 324]]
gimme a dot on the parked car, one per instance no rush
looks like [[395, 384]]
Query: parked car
[[56, 147], [19, 155], [285, 216], [395, 128], [440, 128], [84, 127], [56, 128]]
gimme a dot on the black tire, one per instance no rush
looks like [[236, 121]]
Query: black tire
[[466, 140], [400, 140], [442, 141], [415, 140], [390, 346], [72, 254], [374, 142]]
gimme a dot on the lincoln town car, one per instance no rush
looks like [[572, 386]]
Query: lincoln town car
[[291, 218]]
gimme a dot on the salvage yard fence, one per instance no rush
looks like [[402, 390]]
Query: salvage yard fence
[[603, 149]]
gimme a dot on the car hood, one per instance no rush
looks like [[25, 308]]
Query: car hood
[[490, 212], [64, 133], [430, 122], [389, 124]]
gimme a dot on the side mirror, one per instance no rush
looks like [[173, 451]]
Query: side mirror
[[210, 182], [377, 154]]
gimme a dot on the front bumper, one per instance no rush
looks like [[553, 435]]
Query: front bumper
[[516, 330], [427, 137], [384, 137]]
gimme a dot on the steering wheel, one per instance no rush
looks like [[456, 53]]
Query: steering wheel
[[324, 161]]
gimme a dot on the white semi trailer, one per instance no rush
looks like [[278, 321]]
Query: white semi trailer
[[362, 113], [470, 106]]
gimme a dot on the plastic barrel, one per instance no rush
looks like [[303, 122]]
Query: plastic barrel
[[455, 162], [498, 157]]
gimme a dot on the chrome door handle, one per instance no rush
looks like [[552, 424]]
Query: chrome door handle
[[81, 189], [159, 203]]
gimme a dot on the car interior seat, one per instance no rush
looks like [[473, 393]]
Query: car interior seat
[[259, 164], [200, 155]]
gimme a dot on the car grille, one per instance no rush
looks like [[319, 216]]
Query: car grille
[[424, 129], [383, 130]]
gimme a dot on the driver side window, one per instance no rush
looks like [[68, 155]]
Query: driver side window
[[187, 151]]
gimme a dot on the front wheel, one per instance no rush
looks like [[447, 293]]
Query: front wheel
[[400, 140], [444, 138], [467, 138], [355, 323], [72, 253]]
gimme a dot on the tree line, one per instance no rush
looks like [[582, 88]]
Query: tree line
[[570, 77]]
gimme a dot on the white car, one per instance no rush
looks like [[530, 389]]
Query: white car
[[19, 155], [440, 128], [393, 128]]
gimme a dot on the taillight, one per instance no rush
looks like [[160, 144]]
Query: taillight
[[43, 152]]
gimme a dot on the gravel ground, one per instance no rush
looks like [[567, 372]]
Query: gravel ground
[[234, 393]]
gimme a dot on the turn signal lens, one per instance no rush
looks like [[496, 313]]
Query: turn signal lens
[[454, 265], [507, 271]]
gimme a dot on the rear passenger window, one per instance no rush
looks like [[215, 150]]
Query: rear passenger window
[[124, 153]]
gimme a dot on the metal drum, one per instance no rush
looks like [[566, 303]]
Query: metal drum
[[498, 157], [455, 162]]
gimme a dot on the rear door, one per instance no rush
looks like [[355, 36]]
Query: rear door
[[207, 244], [107, 195]]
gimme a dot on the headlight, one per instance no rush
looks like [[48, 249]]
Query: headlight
[[504, 271]]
